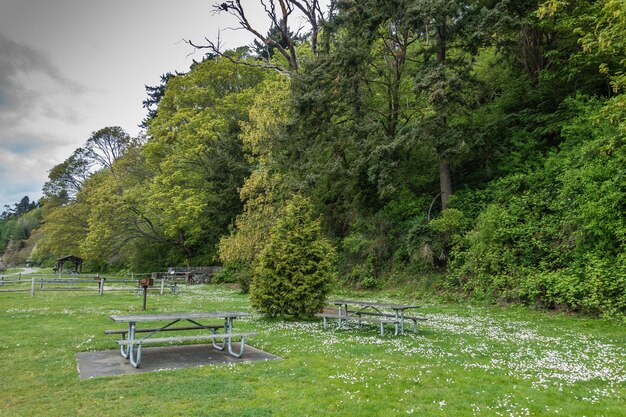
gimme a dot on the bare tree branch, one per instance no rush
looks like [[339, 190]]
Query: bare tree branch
[[278, 13], [215, 49]]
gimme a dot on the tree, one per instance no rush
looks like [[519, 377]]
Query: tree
[[266, 52], [101, 150], [280, 37], [294, 271], [155, 94], [66, 179], [447, 52], [23, 207], [264, 191], [64, 228], [196, 155], [106, 145]]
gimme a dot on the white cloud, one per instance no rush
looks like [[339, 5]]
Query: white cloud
[[33, 105]]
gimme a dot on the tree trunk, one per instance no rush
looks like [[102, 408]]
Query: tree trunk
[[445, 182], [445, 179]]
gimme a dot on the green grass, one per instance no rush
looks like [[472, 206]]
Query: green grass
[[465, 361]]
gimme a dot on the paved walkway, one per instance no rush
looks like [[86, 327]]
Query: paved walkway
[[110, 362]]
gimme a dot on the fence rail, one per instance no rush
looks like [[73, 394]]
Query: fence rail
[[97, 283]]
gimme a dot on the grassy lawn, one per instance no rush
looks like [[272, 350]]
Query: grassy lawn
[[465, 361]]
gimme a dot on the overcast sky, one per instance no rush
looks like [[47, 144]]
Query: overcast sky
[[71, 67]]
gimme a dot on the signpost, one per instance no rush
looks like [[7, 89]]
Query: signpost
[[145, 283]]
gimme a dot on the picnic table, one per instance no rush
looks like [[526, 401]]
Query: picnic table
[[373, 312], [131, 339]]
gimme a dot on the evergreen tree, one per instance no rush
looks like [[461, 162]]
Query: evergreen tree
[[155, 94], [296, 268]]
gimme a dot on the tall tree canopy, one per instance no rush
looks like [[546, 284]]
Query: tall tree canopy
[[167, 200], [482, 139]]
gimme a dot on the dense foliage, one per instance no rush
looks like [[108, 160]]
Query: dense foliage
[[18, 231], [483, 139]]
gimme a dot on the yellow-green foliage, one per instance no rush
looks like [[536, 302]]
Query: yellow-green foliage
[[63, 227], [240, 249], [263, 191], [261, 195], [296, 266]]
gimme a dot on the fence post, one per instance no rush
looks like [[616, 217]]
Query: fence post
[[19, 276], [32, 288], [101, 286], [162, 285]]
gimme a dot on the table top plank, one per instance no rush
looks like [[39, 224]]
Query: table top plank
[[392, 306], [177, 316]]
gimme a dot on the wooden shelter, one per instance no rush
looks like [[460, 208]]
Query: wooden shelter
[[78, 263]]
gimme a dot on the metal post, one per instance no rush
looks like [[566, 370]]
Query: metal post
[[162, 285], [32, 288], [19, 276], [101, 286]]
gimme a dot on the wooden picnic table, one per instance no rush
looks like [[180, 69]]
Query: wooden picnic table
[[130, 337], [374, 312]]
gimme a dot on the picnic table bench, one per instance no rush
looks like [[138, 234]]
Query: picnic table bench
[[381, 320], [414, 319], [124, 332], [372, 312], [131, 345]]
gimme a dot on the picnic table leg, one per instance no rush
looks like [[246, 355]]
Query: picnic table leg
[[241, 347], [340, 318], [339, 315], [135, 361], [125, 350], [228, 326], [401, 319], [345, 317], [131, 336]]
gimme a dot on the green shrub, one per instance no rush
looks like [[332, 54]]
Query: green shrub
[[364, 274], [234, 272], [606, 286], [296, 266], [596, 286]]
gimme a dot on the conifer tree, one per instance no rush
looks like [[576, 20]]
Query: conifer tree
[[296, 267]]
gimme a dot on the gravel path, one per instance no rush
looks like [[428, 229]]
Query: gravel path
[[24, 271]]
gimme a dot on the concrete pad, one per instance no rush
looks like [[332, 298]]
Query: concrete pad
[[110, 362]]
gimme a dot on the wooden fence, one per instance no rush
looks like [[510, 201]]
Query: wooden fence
[[95, 283]]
